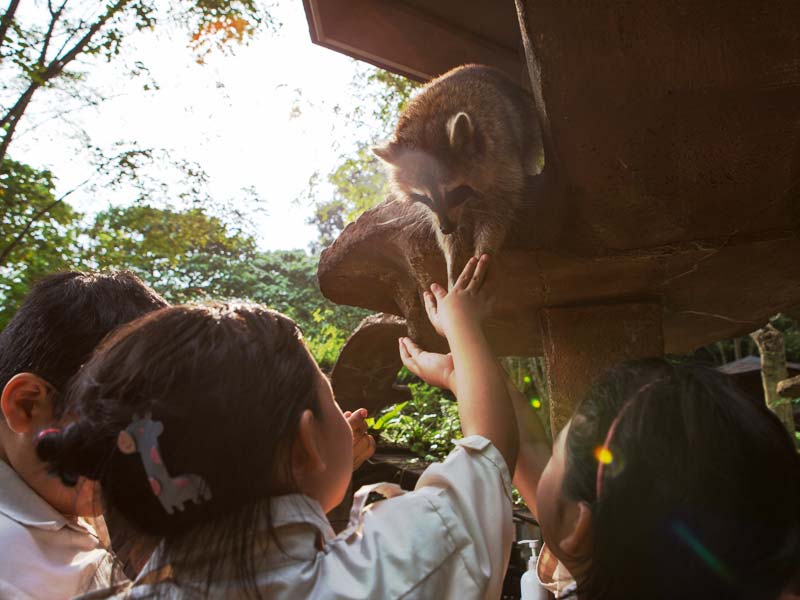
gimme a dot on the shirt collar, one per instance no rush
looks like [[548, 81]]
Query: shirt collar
[[295, 509], [299, 523], [19, 502]]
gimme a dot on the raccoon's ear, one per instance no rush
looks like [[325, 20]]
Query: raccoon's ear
[[388, 152], [459, 130]]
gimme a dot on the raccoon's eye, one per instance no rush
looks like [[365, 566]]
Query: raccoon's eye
[[423, 199], [458, 195]]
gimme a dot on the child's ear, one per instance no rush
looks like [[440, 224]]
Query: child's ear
[[578, 541], [306, 457], [26, 403]]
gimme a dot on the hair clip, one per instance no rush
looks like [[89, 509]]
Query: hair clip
[[142, 435]]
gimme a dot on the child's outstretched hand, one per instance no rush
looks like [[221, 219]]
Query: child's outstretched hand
[[363, 443], [432, 368], [466, 304], [483, 402]]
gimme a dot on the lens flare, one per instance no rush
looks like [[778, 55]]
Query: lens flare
[[536, 403], [603, 455], [704, 554]]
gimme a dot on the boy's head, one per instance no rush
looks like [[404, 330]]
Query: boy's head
[[53, 333], [669, 482]]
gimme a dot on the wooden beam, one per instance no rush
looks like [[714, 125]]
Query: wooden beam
[[582, 342], [401, 39]]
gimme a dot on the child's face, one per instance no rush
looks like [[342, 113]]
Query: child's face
[[27, 410], [334, 439], [549, 502], [564, 522]]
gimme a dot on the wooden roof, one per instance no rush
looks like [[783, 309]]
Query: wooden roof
[[418, 38]]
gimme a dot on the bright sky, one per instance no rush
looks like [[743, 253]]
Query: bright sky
[[233, 116]]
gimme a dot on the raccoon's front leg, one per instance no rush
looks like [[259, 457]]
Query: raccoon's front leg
[[489, 233], [453, 249]]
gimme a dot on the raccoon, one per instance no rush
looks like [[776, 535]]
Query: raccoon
[[462, 153]]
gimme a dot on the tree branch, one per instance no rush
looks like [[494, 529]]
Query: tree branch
[[55, 16], [54, 69], [5, 22]]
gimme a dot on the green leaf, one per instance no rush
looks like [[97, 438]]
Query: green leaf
[[389, 416]]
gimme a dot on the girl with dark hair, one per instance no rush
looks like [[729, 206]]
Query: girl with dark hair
[[212, 430], [668, 482]]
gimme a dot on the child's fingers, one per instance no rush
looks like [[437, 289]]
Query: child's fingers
[[411, 347], [347, 414], [406, 357], [466, 275], [409, 353], [479, 274], [430, 304], [437, 291], [403, 350], [357, 421], [363, 449]]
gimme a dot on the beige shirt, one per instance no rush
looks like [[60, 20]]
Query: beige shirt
[[44, 554], [450, 538]]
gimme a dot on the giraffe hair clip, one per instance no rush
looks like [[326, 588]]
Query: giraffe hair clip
[[142, 436]]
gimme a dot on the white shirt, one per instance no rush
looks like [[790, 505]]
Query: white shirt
[[450, 538], [44, 554]]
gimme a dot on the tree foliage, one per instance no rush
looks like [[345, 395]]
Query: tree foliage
[[43, 44], [184, 243], [359, 181], [186, 255], [38, 233]]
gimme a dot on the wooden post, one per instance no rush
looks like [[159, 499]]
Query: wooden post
[[773, 370], [582, 342]]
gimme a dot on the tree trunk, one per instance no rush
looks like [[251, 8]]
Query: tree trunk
[[773, 370]]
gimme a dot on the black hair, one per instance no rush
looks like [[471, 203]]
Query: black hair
[[229, 383], [701, 497], [63, 318]]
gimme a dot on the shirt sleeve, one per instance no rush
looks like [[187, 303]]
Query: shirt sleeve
[[9, 592], [475, 481]]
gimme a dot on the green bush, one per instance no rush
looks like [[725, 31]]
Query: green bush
[[427, 424]]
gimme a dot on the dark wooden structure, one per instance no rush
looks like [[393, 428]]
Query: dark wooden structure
[[668, 213]]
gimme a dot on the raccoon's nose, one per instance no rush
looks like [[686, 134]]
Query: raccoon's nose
[[447, 228]]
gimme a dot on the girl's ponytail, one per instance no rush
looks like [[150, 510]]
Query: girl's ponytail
[[75, 451]]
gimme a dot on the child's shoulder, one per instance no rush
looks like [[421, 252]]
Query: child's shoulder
[[50, 551]]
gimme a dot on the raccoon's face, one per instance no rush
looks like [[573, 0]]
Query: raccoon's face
[[446, 203], [423, 178]]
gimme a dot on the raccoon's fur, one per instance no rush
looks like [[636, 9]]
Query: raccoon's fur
[[462, 153]]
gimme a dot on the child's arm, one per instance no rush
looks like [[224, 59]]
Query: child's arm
[[534, 447], [483, 402]]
